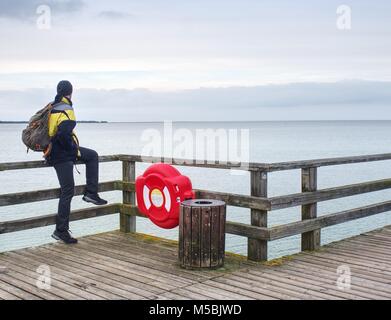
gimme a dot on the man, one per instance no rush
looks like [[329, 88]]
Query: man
[[65, 151]]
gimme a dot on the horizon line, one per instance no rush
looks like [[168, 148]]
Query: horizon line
[[207, 121]]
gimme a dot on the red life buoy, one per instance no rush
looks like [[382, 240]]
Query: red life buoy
[[159, 192]]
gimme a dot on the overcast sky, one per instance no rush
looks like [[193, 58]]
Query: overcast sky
[[266, 55]]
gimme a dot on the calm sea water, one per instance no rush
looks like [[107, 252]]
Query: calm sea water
[[269, 142]]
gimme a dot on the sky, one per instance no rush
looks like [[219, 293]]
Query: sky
[[198, 60]]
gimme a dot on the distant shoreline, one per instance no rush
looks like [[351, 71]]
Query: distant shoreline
[[26, 122], [210, 121]]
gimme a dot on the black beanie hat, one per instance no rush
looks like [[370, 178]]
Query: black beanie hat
[[64, 88]]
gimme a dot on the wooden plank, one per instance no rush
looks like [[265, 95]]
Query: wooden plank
[[231, 199], [132, 268], [27, 287], [164, 252], [256, 248], [381, 242], [4, 295], [264, 288], [124, 280], [127, 222], [236, 228], [216, 292], [134, 273], [50, 219], [174, 296], [294, 228], [245, 230], [199, 163], [374, 269], [191, 295], [126, 264], [371, 255], [214, 237], [187, 236], [383, 235], [161, 255], [206, 236], [316, 289], [308, 197], [372, 249], [181, 235], [279, 166], [280, 284], [48, 194], [325, 291], [362, 278], [156, 258], [42, 164], [76, 285], [102, 280], [222, 219], [235, 200], [359, 286], [252, 166], [244, 293], [256, 166], [30, 276], [321, 282], [18, 292], [196, 237], [309, 240], [353, 261], [326, 288]]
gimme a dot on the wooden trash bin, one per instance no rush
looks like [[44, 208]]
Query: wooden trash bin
[[202, 233]]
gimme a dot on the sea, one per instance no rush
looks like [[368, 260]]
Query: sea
[[253, 141]]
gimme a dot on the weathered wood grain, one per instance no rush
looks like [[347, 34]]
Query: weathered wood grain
[[256, 248], [307, 197], [236, 228], [258, 233], [192, 162], [48, 194], [206, 236], [42, 164], [310, 240], [231, 199], [293, 228], [290, 165], [128, 223], [204, 229], [125, 266], [50, 219]]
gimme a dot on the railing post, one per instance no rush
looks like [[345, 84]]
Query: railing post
[[309, 240], [257, 249], [128, 223]]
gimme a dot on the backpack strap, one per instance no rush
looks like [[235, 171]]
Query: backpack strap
[[66, 114], [47, 151]]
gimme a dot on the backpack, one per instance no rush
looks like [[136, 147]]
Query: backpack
[[36, 135]]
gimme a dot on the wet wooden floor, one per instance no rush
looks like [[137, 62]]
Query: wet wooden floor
[[118, 266]]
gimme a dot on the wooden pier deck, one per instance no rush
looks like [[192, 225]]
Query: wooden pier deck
[[115, 265]]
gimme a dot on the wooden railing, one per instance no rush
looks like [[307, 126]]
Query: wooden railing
[[258, 232]]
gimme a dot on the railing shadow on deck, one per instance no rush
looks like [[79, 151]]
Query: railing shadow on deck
[[258, 233]]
